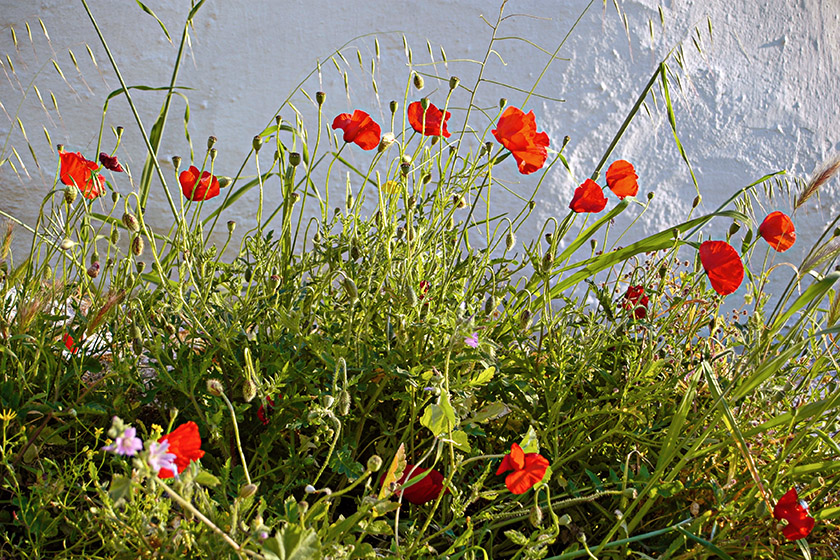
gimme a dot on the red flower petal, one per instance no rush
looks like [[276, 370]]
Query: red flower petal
[[359, 128], [795, 512], [723, 265], [528, 469], [435, 121], [777, 230], [424, 490], [110, 162], [621, 179], [517, 132], [76, 170], [636, 301], [588, 198], [185, 443], [195, 189], [70, 343]]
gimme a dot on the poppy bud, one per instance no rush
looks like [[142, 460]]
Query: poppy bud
[[70, 194], [650, 195], [488, 147], [350, 288], [405, 168], [115, 236], [294, 159], [374, 463], [48, 272], [249, 390], [733, 229], [279, 120], [130, 222], [119, 132], [115, 197], [663, 270], [393, 105], [213, 153], [67, 244], [257, 143], [137, 346], [349, 201], [489, 305], [510, 240], [176, 161], [548, 260], [169, 328], [411, 296], [453, 82], [224, 181], [355, 253], [525, 319], [502, 102], [137, 245], [273, 282], [548, 237], [309, 489], [696, 201], [427, 178], [418, 81], [344, 401], [412, 202], [386, 141], [566, 140], [327, 401], [320, 97], [140, 266], [451, 222], [424, 103], [295, 196], [748, 237], [93, 270], [247, 491], [535, 516], [211, 141], [214, 387], [532, 204], [836, 232]]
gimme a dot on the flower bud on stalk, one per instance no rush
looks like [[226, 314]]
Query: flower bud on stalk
[[424, 103], [249, 390], [93, 270], [247, 491], [130, 222], [211, 141], [214, 387], [140, 266], [350, 289], [320, 97], [418, 81], [374, 463], [343, 402], [115, 236], [294, 159], [535, 516], [453, 82], [510, 240], [137, 245], [696, 202], [733, 229], [502, 102], [67, 244], [213, 153], [385, 142], [231, 226], [70, 194], [176, 161], [393, 105], [224, 182]]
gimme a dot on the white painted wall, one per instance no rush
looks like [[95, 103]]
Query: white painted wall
[[761, 97]]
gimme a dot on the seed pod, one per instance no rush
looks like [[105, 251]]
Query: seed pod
[[424, 103], [137, 245], [176, 161], [393, 105], [211, 141], [256, 143], [70, 194], [418, 81], [231, 226], [453, 82], [733, 229], [502, 103], [294, 159], [320, 97]]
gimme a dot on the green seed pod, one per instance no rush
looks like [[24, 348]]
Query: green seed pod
[[418, 81], [502, 103], [256, 143], [650, 195], [70, 194], [176, 161], [453, 82], [211, 141], [224, 181], [424, 103], [294, 159], [231, 226], [137, 245], [393, 105], [320, 97]]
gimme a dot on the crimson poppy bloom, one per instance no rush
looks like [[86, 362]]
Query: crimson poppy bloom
[[518, 133], [185, 444], [424, 490], [195, 189], [723, 265], [435, 121], [76, 170], [70, 343], [110, 162], [777, 230], [795, 511], [621, 179], [358, 128], [265, 410], [528, 469], [636, 301], [588, 198]]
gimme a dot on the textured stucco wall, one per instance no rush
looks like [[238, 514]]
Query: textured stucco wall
[[762, 95]]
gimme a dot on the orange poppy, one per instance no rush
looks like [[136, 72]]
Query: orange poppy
[[528, 469], [434, 123], [76, 170], [70, 343], [589, 197], [636, 301], [795, 512], [185, 444], [195, 189], [621, 179], [777, 230], [723, 266], [358, 128], [517, 132]]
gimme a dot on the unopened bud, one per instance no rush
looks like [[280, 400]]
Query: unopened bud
[[247, 491], [214, 387], [535, 516], [489, 305], [453, 82], [67, 244], [343, 402], [510, 240], [327, 401], [502, 102], [349, 201], [405, 168], [393, 105], [294, 159], [350, 289], [115, 197], [115, 236], [249, 390], [733, 229], [418, 81], [532, 204], [213, 153], [224, 181], [696, 202], [70, 194], [650, 195], [130, 222], [374, 463], [93, 270], [295, 196], [140, 266], [548, 260], [411, 296], [137, 245], [176, 161], [273, 283], [320, 97], [309, 489], [385, 142], [525, 319], [231, 226], [424, 103], [211, 141]]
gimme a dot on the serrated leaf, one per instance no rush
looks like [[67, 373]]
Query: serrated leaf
[[119, 488], [484, 377], [394, 472], [490, 411], [293, 543], [516, 537]]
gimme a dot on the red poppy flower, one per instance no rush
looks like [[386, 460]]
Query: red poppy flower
[[777, 230], [195, 189], [424, 287], [528, 469], [70, 343], [110, 162], [358, 128], [424, 490], [518, 133], [264, 411], [636, 301], [795, 511], [76, 170], [723, 265], [621, 179], [185, 443], [588, 198], [435, 121]]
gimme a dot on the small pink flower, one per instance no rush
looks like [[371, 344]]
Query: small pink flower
[[472, 341]]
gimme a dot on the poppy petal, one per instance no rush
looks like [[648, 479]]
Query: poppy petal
[[185, 444], [359, 128], [621, 179], [517, 132], [588, 198], [434, 120], [723, 266], [777, 229]]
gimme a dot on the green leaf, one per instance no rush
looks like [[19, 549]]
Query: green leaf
[[461, 441], [490, 411], [204, 478], [293, 543], [483, 377], [439, 418], [151, 13], [530, 443], [119, 488], [394, 472]]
